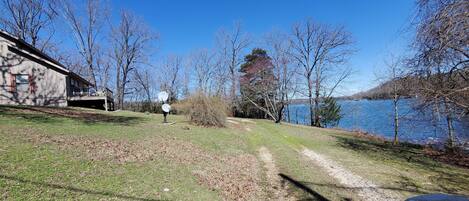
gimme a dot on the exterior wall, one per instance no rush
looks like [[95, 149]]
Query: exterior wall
[[47, 86]]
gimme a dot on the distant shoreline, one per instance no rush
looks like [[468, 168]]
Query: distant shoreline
[[306, 101]]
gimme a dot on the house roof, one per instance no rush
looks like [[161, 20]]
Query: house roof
[[27, 50]]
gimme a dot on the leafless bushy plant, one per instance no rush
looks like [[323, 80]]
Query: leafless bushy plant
[[205, 110]]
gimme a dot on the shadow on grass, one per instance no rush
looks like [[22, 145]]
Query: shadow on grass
[[304, 185], [315, 195], [335, 186], [56, 115], [410, 156], [74, 189]]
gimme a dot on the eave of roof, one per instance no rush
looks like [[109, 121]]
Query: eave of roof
[[74, 75], [32, 50]]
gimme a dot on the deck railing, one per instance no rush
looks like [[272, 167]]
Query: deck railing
[[102, 92]]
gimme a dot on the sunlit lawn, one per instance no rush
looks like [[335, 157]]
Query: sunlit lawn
[[88, 155]]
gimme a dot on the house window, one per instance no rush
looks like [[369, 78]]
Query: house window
[[22, 83]]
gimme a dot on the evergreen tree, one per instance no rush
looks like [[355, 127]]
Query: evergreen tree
[[257, 78], [330, 112]]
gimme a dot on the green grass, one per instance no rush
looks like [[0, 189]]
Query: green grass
[[48, 170]]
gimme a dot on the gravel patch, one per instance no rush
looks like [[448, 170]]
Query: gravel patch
[[363, 187]]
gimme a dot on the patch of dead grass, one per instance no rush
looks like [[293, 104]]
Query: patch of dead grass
[[240, 124], [236, 177]]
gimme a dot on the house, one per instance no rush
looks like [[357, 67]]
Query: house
[[30, 77]]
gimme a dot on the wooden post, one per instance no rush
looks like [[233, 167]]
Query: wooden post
[[105, 103], [106, 106], [164, 115]]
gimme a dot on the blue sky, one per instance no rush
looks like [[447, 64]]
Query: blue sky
[[378, 26]]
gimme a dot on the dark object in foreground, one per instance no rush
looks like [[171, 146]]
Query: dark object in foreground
[[298, 184], [438, 197], [165, 114]]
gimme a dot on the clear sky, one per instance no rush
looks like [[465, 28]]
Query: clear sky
[[378, 26]]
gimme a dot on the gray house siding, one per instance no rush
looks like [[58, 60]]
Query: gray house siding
[[28, 77]]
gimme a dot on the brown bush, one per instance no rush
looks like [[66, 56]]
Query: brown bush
[[204, 110]]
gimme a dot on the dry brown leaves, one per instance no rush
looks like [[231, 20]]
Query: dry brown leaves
[[236, 177], [65, 112], [119, 151], [71, 113], [458, 158], [368, 136]]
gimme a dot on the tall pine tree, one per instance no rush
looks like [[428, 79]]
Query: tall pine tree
[[329, 112], [257, 78]]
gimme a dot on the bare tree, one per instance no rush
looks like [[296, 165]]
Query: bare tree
[[131, 41], [143, 79], [186, 80], [441, 61], [29, 20], [219, 87], [204, 64], [86, 28], [170, 76], [232, 45], [320, 49], [394, 81], [104, 65]]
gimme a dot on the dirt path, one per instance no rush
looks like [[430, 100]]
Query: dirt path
[[276, 189], [239, 123], [363, 187]]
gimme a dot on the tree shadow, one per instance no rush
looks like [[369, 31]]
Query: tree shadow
[[75, 189], [410, 186], [314, 195], [56, 115], [43, 89], [411, 152], [335, 186], [410, 156]]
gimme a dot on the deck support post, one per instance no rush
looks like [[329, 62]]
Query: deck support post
[[105, 104]]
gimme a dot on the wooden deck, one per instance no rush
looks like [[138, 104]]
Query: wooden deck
[[85, 98], [102, 99]]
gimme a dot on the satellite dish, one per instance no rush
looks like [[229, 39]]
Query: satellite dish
[[163, 96], [166, 107]]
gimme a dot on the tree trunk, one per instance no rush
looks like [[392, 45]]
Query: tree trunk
[[118, 88], [280, 114], [91, 72], [449, 121], [296, 116], [233, 90], [311, 104], [396, 121], [317, 123], [124, 81]]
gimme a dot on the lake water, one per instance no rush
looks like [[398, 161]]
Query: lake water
[[376, 117]]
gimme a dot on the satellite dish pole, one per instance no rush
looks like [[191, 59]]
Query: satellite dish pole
[[163, 98]]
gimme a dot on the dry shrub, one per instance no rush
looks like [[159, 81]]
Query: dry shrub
[[205, 110]]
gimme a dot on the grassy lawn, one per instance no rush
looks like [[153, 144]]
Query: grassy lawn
[[81, 154]]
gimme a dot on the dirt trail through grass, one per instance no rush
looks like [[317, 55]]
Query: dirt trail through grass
[[363, 187], [277, 190], [243, 124]]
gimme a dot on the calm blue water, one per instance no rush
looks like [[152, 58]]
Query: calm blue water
[[376, 117]]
